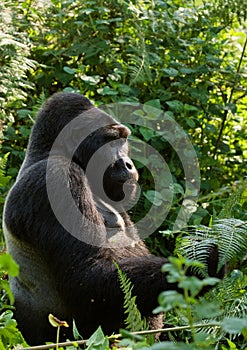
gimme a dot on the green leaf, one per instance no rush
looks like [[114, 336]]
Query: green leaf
[[208, 309], [186, 70], [190, 122], [234, 325], [210, 281], [2, 347], [153, 103], [230, 107], [224, 147], [199, 94], [25, 132], [69, 70], [91, 79], [192, 284], [4, 285], [178, 188], [152, 109], [146, 133], [106, 90], [154, 197], [231, 345], [170, 72], [98, 341], [169, 300], [176, 106], [24, 113], [7, 264], [63, 77], [76, 333]]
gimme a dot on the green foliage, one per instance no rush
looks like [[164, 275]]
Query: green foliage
[[7, 264], [186, 59], [15, 64], [9, 333], [230, 11], [177, 273], [206, 317], [4, 186], [134, 321]]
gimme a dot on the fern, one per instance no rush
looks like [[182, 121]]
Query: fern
[[228, 234], [139, 69], [139, 63], [231, 235], [233, 294], [237, 198], [4, 180], [238, 308], [134, 321]]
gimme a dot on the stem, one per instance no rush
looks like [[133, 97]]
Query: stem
[[57, 340], [229, 101], [189, 313], [117, 336]]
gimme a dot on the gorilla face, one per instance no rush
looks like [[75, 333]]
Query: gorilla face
[[107, 148], [120, 179]]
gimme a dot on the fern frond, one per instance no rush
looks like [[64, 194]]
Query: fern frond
[[232, 287], [134, 321], [139, 69], [238, 308], [232, 238], [4, 180], [228, 234], [197, 246], [139, 63], [3, 163], [234, 199], [232, 294]]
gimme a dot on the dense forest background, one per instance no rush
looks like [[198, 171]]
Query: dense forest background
[[186, 59]]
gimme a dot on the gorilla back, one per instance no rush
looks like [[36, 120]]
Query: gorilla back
[[65, 228]]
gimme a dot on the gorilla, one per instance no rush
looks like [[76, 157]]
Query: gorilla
[[65, 224]]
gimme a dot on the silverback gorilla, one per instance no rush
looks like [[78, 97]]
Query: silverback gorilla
[[67, 260]]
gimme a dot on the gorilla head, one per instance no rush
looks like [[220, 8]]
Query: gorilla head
[[103, 154], [112, 174]]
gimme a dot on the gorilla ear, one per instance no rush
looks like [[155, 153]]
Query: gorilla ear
[[124, 132]]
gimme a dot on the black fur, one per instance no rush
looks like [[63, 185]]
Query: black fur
[[59, 273]]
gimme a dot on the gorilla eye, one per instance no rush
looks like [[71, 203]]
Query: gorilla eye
[[115, 132], [123, 131]]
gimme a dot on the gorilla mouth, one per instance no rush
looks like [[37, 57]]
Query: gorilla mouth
[[122, 181], [123, 178], [121, 189], [129, 187]]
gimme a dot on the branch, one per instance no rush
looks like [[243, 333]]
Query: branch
[[117, 336]]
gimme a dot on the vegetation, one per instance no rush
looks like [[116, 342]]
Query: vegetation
[[187, 60]]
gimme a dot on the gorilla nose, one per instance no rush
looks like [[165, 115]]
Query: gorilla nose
[[127, 167], [124, 163]]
